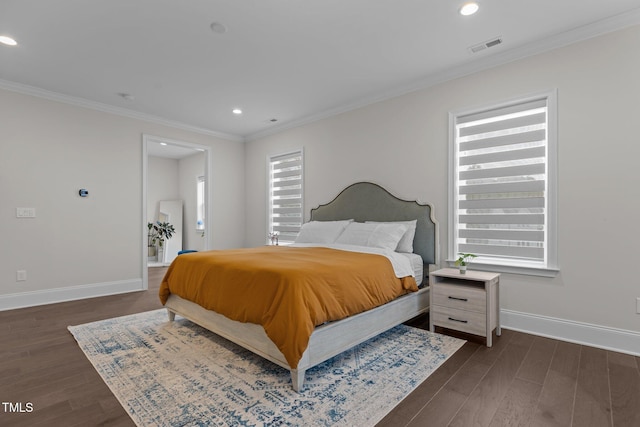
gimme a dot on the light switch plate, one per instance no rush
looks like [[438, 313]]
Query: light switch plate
[[25, 212]]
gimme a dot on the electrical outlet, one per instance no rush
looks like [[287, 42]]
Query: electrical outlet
[[21, 275]]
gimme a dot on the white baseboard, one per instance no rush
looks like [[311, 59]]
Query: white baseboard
[[71, 293], [613, 339], [619, 340]]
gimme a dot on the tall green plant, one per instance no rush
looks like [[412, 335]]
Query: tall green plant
[[160, 231]]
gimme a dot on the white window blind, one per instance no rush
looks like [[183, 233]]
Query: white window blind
[[286, 195], [502, 205]]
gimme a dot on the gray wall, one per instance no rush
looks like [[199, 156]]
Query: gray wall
[[80, 247], [190, 168], [163, 183], [173, 179], [401, 143]]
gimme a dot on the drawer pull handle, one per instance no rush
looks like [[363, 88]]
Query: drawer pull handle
[[459, 299], [458, 320]]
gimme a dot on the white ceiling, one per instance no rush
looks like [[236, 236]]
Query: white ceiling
[[289, 60]]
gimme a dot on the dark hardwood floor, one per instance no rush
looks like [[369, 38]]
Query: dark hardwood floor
[[523, 380]]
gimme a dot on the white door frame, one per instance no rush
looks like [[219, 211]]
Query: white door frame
[[146, 139]]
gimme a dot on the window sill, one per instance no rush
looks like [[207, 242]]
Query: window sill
[[512, 269]]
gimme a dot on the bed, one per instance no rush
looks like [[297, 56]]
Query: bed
[[361, 203]]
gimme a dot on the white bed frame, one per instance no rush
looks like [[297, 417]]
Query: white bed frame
[[363, 202]]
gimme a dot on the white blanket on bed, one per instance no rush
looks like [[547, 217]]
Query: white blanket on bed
[[401, 265]]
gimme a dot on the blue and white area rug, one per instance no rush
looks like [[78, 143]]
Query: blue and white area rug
[[179, 374]]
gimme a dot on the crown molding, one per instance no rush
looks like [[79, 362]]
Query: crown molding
[[575, 35], [124, 112], [585, 32]]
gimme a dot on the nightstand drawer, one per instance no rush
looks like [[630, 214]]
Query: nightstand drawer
[[460, 297], [460, 320], [468, 302]]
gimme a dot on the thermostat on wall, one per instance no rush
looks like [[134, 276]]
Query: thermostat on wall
[[83, 192]]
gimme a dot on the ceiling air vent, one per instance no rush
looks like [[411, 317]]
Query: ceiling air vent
[[485, 45]]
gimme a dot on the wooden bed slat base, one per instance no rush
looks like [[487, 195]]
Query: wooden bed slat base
[[327, 340]]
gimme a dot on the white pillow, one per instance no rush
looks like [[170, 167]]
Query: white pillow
[[321, 231], [384, 236], [406, 243], [387, 236], [356, 233]]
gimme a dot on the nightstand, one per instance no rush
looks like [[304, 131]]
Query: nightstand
[[465, 302]]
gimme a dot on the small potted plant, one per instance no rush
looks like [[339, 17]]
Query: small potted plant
[[273, 236], [158, 233], [463, 260]]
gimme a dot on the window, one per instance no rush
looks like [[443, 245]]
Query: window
[[285, 211], [200, 189], [502, 185]]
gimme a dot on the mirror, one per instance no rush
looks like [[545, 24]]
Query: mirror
[[171, 211]]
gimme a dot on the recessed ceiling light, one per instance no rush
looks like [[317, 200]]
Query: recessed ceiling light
[[237, 111], [8, 41], [163, 143], [469, 8]]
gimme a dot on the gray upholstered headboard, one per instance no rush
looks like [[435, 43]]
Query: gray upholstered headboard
[[365, 201]]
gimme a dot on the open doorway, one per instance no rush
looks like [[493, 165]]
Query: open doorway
[[173, 173]]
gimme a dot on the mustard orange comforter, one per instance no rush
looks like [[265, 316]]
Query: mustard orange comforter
[[287, 290]]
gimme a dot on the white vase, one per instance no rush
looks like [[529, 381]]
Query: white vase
[[463, 269]]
